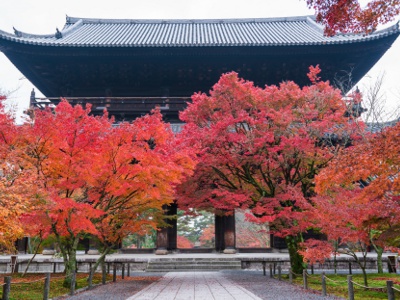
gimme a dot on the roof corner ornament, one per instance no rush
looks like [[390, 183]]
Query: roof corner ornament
[[17, 32], [32, 98], [58, 34]]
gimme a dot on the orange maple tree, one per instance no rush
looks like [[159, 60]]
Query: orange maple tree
[[260, 149], [349, 15], [98, 179], [183, 242], [359, 197], [13, 203]]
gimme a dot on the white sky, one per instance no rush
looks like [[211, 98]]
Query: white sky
[[43, 16]]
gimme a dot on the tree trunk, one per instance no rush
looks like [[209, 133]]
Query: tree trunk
[[379, 252], [296, 260], [69, 256], [100, 260], [364, 276], [33, 257]]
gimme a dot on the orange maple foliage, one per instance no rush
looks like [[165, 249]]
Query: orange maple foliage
[[207, 236], [183, 242], [359, 195], [369, 173], [13, 203], [350, 16], [96, 178]]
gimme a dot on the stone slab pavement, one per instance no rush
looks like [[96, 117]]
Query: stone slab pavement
[[194, 286]]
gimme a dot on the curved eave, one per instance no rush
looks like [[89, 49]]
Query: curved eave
[[52, 41]]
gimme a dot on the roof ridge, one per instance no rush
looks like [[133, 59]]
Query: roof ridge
[[73, 20]]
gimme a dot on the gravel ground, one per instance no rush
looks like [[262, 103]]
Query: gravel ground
[[262, 286], [268, 288]]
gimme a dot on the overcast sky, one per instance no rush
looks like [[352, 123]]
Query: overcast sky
[[44, 16]]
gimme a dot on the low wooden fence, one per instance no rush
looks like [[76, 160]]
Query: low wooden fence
[[125, 271], [389, 288]]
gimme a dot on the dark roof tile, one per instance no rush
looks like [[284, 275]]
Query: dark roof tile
[[183, 33]]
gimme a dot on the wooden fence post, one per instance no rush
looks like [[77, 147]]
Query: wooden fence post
[[6, 288], [350, 287], [114, 272], [279, 273], [350, 270], [129, 270], [305, 283], [73, 282], [123, 270], [90, 280], [390, 291], [46, 289], [103, 273], [264, 271], [312, 269], [290, 275], [270, 271], [323, 281]]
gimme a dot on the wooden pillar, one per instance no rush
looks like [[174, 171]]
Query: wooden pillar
[[167, 236], [173, 229], [162, 241], [230, 234], [225, 234]]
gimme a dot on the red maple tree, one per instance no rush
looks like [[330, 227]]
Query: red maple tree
[[349, 15], [260, 149]]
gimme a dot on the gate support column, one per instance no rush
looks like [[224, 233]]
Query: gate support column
[[167, 236], [225, 234]]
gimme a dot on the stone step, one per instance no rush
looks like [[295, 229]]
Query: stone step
[[194, 263], [166, 265], [188, 267], [184, 270]]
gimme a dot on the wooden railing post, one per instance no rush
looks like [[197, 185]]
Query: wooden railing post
[[390, 291], [123, 270], [6, 288], [264, 271], [46, 290], [279, 273], [350, 287], [305, 282], [103, 273], [350, 270], [323, 281], [90, 280], [129, 270], [290, 275], [114, 272], [270, 271]]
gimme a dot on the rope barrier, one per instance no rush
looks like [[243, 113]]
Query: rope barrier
[[335, 281], [369, 287], [395, 289], [311, 276], [28, 282], [295, 273]]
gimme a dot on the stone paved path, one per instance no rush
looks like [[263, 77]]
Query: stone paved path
[[194, 285]]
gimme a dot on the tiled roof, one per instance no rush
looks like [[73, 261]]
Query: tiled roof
[[80, 32]]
